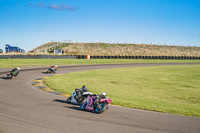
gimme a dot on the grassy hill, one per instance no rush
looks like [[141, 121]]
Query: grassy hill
[[106, 49]]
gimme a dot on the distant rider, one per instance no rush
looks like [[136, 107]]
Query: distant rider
[[15, 71], [54, 68]]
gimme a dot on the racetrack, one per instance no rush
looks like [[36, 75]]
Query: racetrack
[[24, 109]]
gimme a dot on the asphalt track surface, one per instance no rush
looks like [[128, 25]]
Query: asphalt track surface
[[24, 109]]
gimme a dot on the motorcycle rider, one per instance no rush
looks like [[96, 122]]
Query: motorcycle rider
[[102, 96], [15, 71], [84, 89], [79, 92], [54, 68]]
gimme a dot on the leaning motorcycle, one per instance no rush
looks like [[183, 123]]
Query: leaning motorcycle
[[51, 70], [11, 75], [95, 106], [78, 97]]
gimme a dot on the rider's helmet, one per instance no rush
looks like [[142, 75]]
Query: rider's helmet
[[83, 86], [18, 68], [104, 94], [55, 65]]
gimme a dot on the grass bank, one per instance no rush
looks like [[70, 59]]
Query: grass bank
[[8, 63], [111, 49], [171, 89]]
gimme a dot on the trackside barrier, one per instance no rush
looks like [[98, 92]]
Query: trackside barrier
[[97, 57], [37, 57], [140, 57], [87, 56]]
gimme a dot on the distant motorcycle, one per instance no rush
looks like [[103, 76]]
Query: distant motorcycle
[[13, 73], [51, 70], [78, 97], [95, 104]]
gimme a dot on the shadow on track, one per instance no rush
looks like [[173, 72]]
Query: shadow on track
[[74, 106], [44, 72], [4, 78], [64, 101], [78, 109], [61, 101]]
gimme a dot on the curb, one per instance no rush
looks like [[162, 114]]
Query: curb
[[39, 84]]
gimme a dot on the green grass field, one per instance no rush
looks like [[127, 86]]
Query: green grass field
[[9, 63], [171, 89]]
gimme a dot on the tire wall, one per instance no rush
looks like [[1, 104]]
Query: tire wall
[[37, 57], [97, 57], [141, 57]]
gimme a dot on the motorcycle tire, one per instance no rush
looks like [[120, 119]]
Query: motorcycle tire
[[83, 106], [84, 100], [9, 76], [48, 71], [101, 109], [69, 100]]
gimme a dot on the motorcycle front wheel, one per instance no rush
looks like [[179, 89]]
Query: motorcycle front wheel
[[69, 99], [101, 108]]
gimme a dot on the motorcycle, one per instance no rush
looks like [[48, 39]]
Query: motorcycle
[[78, 97], [51, 70], [95, 106], [11, 75]]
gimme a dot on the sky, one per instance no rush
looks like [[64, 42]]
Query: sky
[[30, 23]]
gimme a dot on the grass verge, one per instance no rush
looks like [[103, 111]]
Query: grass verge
[[8, 63], [171, 89]]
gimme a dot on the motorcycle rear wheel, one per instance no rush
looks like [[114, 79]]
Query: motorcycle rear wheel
[[48, 71], [9, 76], [84, 100], [83, 106]]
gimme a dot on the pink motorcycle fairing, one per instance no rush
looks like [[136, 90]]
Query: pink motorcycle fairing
[[107, 100], [90, 103]]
